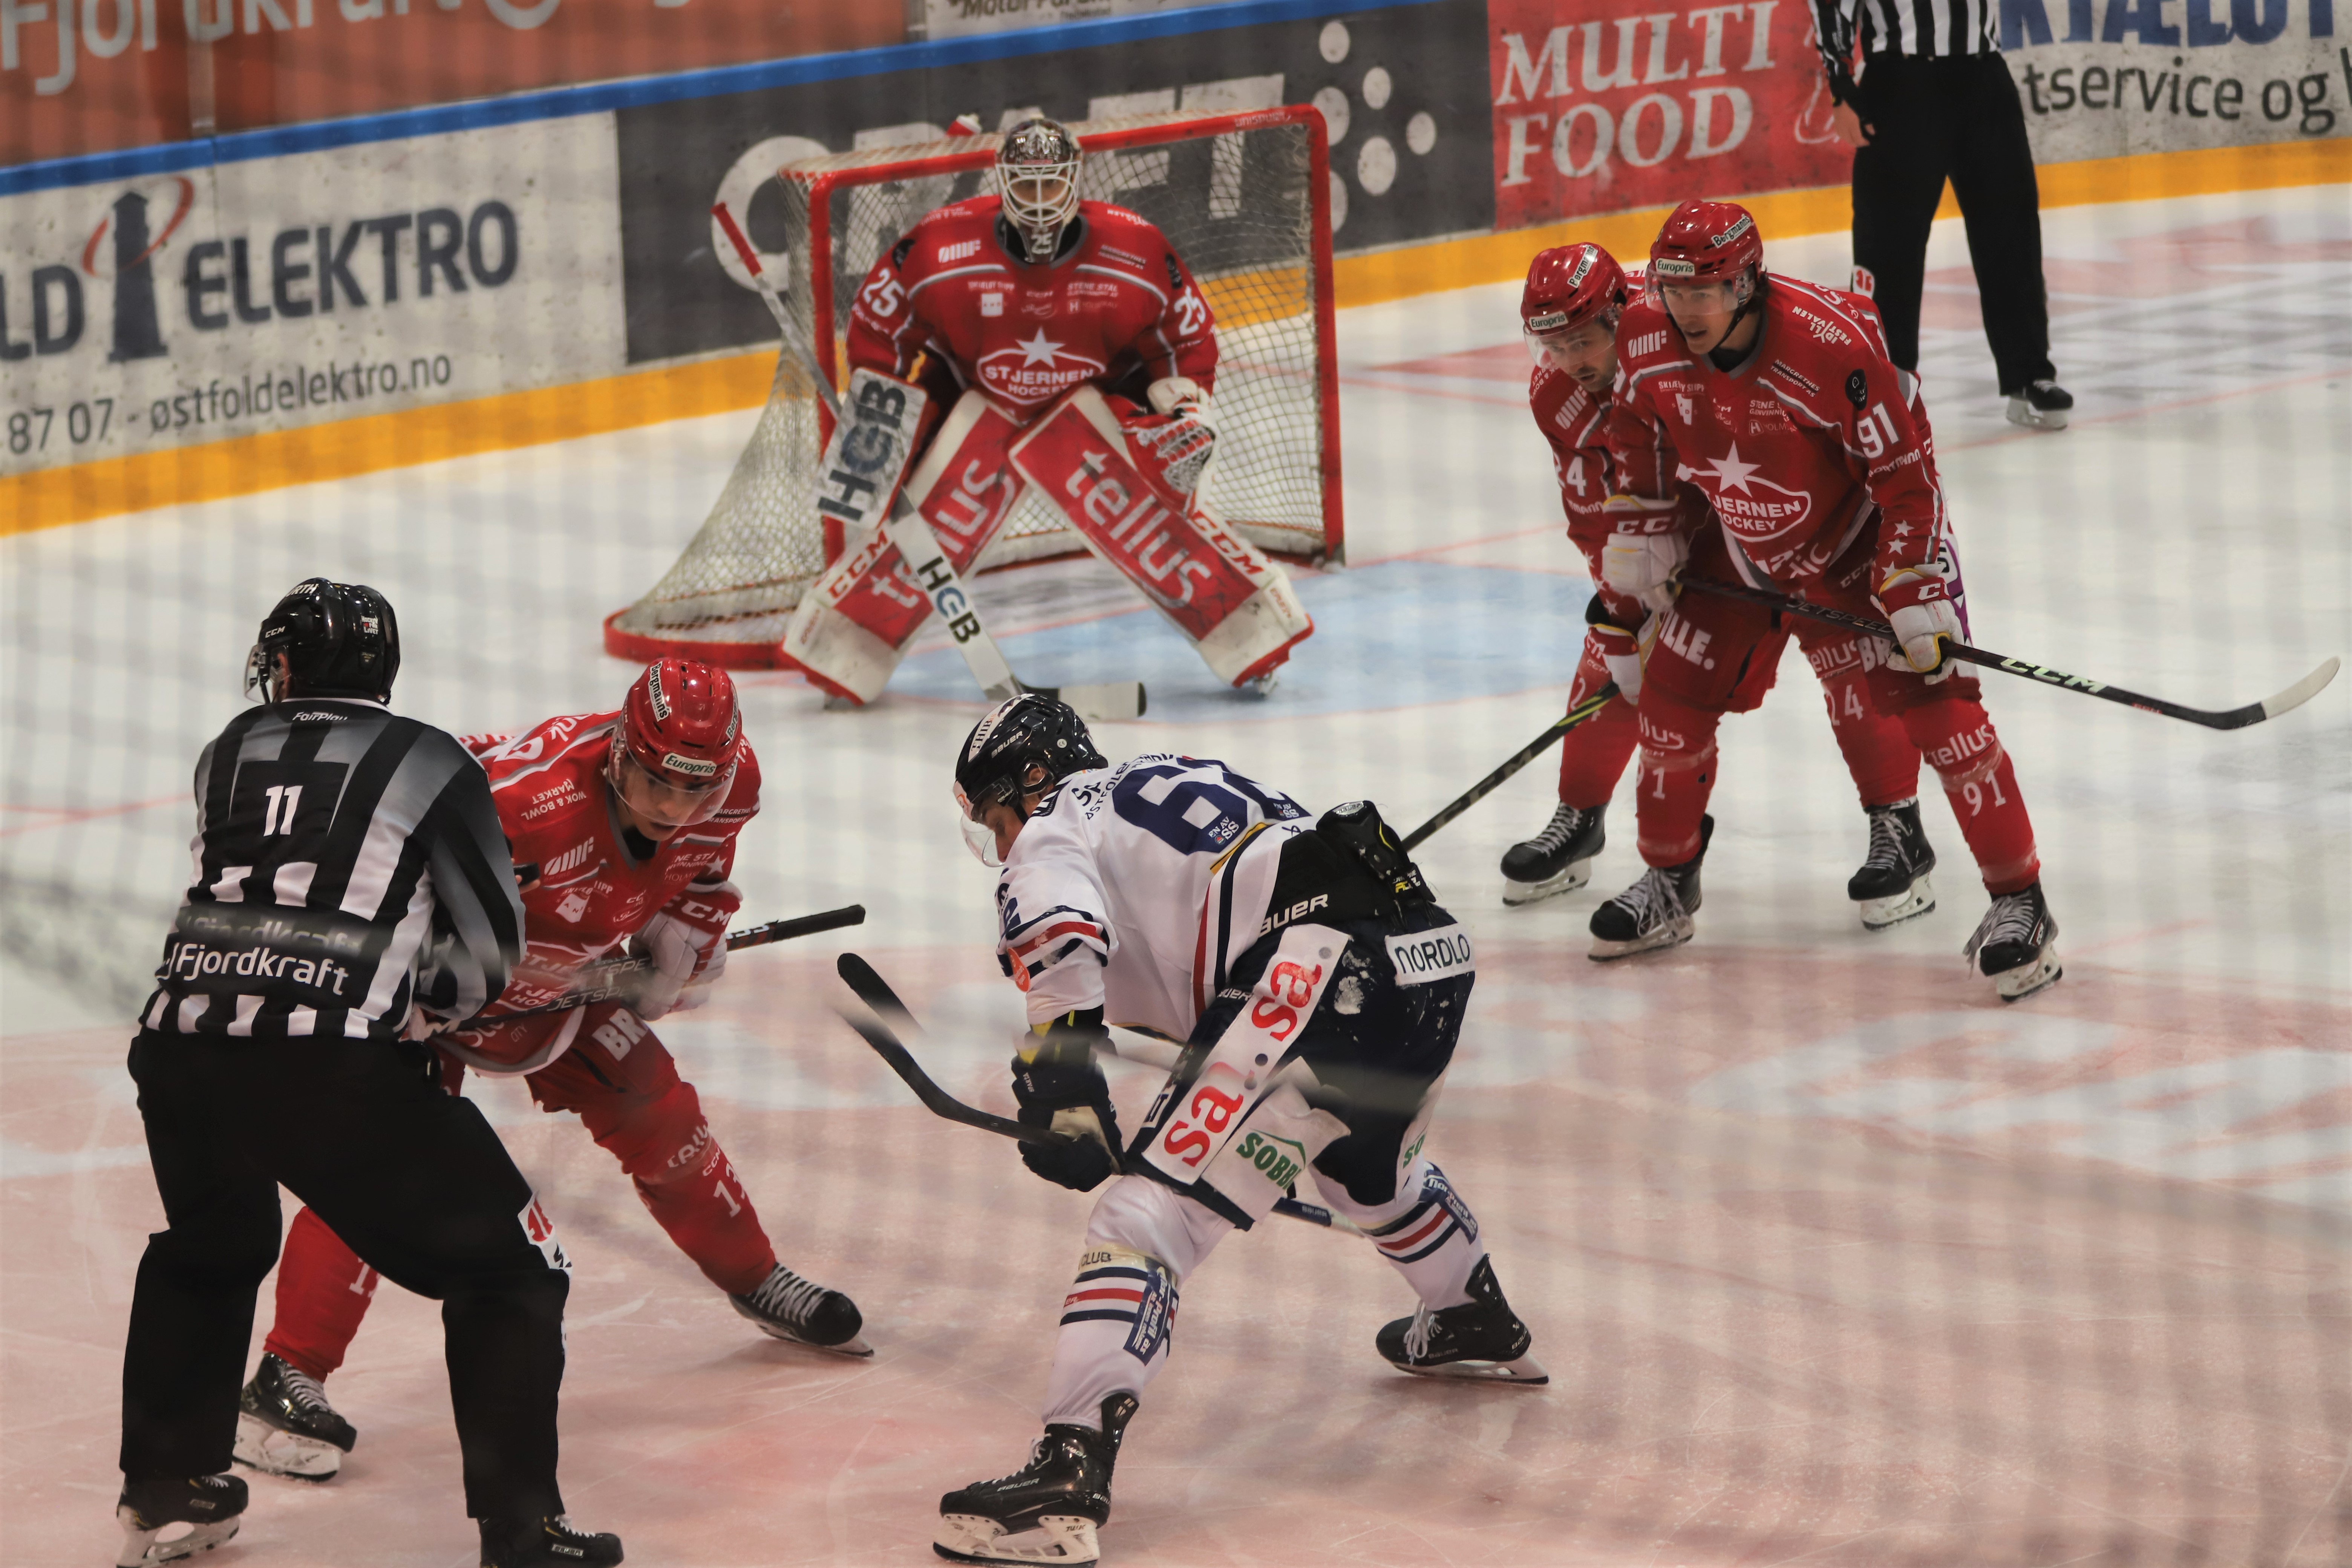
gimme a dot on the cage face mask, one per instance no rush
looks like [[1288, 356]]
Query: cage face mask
[[1037, 170]]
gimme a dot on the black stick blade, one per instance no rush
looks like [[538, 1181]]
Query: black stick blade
[[874, 991]]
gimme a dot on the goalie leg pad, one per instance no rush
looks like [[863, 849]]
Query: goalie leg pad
[[1099, 469]]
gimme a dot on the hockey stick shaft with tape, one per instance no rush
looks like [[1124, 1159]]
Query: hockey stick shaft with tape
[[614, 977], [2285, 702], [919, 547], [1517, 760]]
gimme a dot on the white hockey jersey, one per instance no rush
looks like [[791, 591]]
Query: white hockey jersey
[[1133, 888]]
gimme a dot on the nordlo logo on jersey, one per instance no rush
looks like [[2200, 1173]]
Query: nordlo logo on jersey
[[1036, 368], [1422, 956]]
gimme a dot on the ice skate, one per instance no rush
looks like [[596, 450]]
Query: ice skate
[[1653, 912], [1051, 1507], [1892, 886], [1556, 860], [286, 1427], [207, 1505], [529, 1544], [1482, 1339], [2041, 405], [787, 1307], [2016, 945]]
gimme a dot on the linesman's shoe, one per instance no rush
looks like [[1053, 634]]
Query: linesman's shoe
[[1050, 1508], [546, 1542], [2016, 945], [207, 1505], [1482, 1339], [787, 1307], [1653, 912], [2041, 405], [1892, 886], [286, 1427], [1556, 860]]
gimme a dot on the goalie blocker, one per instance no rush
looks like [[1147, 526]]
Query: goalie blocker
[[1110, 470]]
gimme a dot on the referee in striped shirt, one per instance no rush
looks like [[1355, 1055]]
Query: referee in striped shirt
[[1935, 101], [351, 877]]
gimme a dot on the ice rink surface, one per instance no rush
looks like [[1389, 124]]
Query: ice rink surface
[[1833, 1258]]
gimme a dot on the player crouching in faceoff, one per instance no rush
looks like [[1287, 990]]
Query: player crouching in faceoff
[[1569, 312], [1321, 990], [609, 814], [1072, 357]]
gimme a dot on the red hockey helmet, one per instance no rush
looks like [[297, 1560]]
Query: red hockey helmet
[[681, 734], [1568, 286], [1708, 242]]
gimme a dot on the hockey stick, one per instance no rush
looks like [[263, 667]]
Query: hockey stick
[[916, 543], [876, 1032], [2285, 702], [1518, 759], [614, 977]]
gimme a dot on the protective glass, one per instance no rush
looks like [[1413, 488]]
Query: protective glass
[[662, 802], [978, 836], [258, 671], [1716, 295], [1564, 349]]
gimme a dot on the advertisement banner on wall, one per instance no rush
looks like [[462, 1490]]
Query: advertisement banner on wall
[[2103, 78], [171, 310], [962, 18], [1404, 90]]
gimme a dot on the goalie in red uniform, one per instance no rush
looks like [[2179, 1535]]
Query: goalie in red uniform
[[622, 826], [1065, 350], [1815, 454], [1570, 310]]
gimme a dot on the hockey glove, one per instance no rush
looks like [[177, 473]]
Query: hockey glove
[[1058, 1086], [1643, 566], [1619, 650], [677, 947], [1923, 620]]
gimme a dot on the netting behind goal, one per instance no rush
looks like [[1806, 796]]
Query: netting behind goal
[[1244, 198]]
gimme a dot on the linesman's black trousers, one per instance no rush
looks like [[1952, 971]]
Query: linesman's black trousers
[[413, 1178], [1955, 117]]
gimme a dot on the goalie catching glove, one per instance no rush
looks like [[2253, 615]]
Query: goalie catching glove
[[1060, 1087]]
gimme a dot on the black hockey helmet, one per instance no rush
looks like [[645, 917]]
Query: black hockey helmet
[[1026, 743], [340, 639]]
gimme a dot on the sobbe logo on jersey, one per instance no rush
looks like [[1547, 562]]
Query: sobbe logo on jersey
[[1422, 956], [1756, 508], [1036, 369]]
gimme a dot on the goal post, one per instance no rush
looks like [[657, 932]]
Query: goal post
[[1244, 198]]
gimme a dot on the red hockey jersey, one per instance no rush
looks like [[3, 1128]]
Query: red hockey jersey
[[583, 894], [1814, 437], [1115, 307], [1575, 423]]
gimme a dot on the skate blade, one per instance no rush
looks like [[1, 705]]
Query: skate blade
[[1517, 894], [1878, 914], [2017, 984], [2024, 414], [261, 1446], [854, 1346], [1672, 934], [1068, 1540], [1523, 1373], [141, 1549]]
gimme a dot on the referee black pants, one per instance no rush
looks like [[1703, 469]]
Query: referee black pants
[[1957, 117], [413, 1178]]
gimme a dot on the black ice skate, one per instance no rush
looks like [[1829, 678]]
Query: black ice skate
[[1556, 860], [2041, 405], [1482, 1339], [535, 1542], [787, 1307], [1892, 886], [1056, 1500], [207, 1505], [1653, 912], [2016, 945], [286, 1427]]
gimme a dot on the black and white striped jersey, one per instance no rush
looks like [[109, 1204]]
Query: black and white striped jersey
[[339, 850], [1925, 28]]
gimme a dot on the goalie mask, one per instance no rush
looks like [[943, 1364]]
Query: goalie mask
[[1709, 245], [1037, 170], [1570, 291], [340, 639], [1026, 744], [681, 734]]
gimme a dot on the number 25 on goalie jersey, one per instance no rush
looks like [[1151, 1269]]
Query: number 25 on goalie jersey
[[1125, 892]]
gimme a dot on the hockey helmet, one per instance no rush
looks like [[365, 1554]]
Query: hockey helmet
[[1709, 242], [1037, 170], [340, 639], [1026, 744], [1568, 286], [680, 736]]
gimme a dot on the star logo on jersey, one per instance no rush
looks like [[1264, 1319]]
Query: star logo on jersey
[[1036, 369], [1757, 509], [1731, 472]]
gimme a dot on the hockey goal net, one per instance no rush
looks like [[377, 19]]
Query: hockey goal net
[[1245, 201]]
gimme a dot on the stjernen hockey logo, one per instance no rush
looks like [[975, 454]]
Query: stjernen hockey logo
[[1036, 368], [1756, 509]]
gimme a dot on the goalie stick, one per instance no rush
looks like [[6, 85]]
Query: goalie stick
[[908, 531], [1518, 759], [877, 1032], [2285, 702], [613, 978]]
